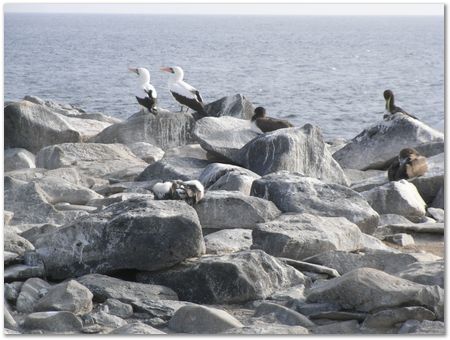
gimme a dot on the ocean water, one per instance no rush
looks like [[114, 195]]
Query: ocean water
[[327, 71]]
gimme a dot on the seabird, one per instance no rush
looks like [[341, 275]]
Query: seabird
[[189, 191], [149, 92], [184, 93], [390, 106], [408, 164], [267, 124]]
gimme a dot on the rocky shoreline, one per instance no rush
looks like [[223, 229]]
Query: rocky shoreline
[[294, 235]]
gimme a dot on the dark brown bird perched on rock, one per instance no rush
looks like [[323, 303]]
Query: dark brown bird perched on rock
[[390, 105], [267, 124], [408, 164], [190, 191]]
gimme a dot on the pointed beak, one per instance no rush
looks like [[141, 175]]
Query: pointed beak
[[166, 69], [134, 70]]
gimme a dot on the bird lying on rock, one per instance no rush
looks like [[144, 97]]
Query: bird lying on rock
[[408, 164], [148, 91], [267, 124], [190, 191], [390, 106]]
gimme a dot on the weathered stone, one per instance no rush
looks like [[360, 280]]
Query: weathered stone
[[8, 321], [68, 296], [147, 152], [53, 321], [221, 209], [29, 204], [393, 219], [369, 242], [136, 328], [165, 130], [10, 258], [288, 294], [120, 309], [401, 239], [425, 272], [355, 176], [7, 217], [422, 327], [217, 175], [432, 181], [295, 150], [92, 159], [384, 140], [135, 234], [16, 244], [338, 316], [298, 236], [235, 106], [224, 136], [295, 193], [32, 290], [401, 198], [387, 318], [370, 183], [228, 241], [267, 328], [237, 277], [23, 272], [283, 314], [234, 181], [105, 319], [368, 290], [64, 206], [104, 287], [158, 309], [344, 327], [310, 267], [183, 168], [438, 201], [18, 158], [412, 228], [33, 233], [437, 213], [345, 262], [12, 291], [201, 319], [190, 150]]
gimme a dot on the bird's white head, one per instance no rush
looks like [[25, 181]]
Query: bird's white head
[[144, 75], [177, 72]]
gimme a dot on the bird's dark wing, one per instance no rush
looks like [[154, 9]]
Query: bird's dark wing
[[396, 172], [198, 96], [268, 124], [399, 109], [147, 102], [193, 104]]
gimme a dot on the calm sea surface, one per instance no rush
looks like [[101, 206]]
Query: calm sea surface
[[328, 71]]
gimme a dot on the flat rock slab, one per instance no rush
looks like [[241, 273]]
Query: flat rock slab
[[422, 327], [345, 262], [136, 328], [298, 236], [201, 319], [235, 106], [165, 130], [53, 321], [283, 314], [18, 158], [160, 309], [401, 198], [368, 290], [146, 151], [32, 290], [295, 150], [432, 181], [384, 140], [220, 209], [105, 287], [228, 241], [292, 192], [224, 136], [387, 319], [425, 272], [238, 277], [266, 328], [173, 168], [138, 234]]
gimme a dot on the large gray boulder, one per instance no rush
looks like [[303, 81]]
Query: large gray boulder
[[430, 184], [295, 150], [92, 159], [425, 272], [228, 241], [425, 327], [236, 106], [202, 320], [384, 140], [54, 321], [165, 130], [33, 126], [400, 197], [172, 168], [221, 209], [135, 234], [105, 287], [68, 296], [30, 204], [298, 236], [223, 137], [32, 290], [18, 158], [136, 328], [369, 290], [233, 278], [283, 315], [292, 192]]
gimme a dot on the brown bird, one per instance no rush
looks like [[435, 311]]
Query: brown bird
[[408, 164], [267, 124], [390, 105]]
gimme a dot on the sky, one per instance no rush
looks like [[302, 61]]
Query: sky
[[237, 8]]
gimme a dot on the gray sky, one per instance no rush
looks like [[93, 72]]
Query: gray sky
[[211, 8]]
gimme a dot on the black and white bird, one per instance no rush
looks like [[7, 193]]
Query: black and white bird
[[390, 105], [147, 91], [189, 191], [184, 93]]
